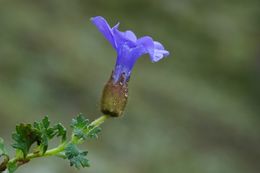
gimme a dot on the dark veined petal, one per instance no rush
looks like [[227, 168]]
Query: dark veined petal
[[104, 28]]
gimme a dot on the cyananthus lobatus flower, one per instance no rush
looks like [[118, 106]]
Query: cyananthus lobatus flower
[[128, 49]]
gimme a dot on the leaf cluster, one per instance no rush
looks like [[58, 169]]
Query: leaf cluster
[[83, 129], [38, 132]]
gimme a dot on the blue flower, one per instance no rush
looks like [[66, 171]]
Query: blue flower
[[128, 48]]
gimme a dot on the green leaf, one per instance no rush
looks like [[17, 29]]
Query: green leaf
[[11, 166], [2, 147], [40, 132], [24, 137], [93, 131], [45, 131], [76, 157], [79, 126], [60, 130], [82, 128], [3, 155]]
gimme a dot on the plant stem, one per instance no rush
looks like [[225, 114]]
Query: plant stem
[[99, 120], [51, 152]]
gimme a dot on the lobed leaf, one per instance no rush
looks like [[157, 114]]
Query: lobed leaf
[[82, 128], [45, 131], [2, 148], [79, 125], [11, 166], [60, 131], [39, 132], [93, 131], [24, 136], [76, 157]]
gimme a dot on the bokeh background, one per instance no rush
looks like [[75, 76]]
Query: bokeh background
[[197, 111]]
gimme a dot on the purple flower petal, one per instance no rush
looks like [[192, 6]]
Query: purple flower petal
[[104, 28], [147, 43], [154, 48], [158, 45], [126, 60], [130, 35], [122, 38], [159, 52]]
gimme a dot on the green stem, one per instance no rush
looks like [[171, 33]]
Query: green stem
[[51, 152], [99, 121]]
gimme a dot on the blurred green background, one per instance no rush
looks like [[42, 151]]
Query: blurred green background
[[197, 111]]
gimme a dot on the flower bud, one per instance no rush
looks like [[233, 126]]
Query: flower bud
[[114, 97]]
